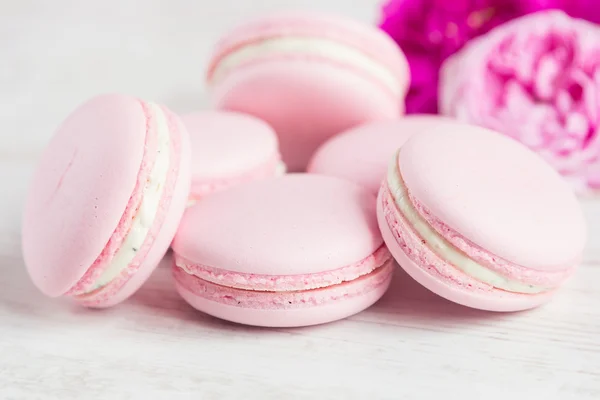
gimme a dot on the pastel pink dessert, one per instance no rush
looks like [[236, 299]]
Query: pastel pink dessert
[[537, 80], [362, 154], [291, 251], [106, 199], [480, 220], [228, 149], [310, 76]]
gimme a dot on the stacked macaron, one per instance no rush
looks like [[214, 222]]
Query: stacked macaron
[[310, 76], [471, 215]]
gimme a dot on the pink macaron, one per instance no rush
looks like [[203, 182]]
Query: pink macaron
[[228, 149], [310, 76], [106, 199], [362, 154], [291, 251], [479, 219]]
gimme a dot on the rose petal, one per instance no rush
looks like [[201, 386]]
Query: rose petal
[[532, 79], [593, 176], [577, 126], [517, 99], [439, 28], [547, 72]]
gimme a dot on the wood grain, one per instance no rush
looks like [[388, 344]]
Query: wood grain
[[411, 344]]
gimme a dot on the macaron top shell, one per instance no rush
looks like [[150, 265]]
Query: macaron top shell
[[363, 154], [247, 142], [296, 224], [76, 202], [496, 193], [372, 41]]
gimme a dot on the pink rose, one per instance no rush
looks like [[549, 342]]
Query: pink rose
[[429, 31], [536, 79]]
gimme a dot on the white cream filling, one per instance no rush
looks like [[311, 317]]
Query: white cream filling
[[146, 214], [281, 169], [444, 249], [309, 46]]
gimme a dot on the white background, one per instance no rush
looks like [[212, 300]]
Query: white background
[[54, 54], [411, 345]]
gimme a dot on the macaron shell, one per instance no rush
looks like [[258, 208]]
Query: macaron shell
[[286, 317], [296, 224], [227, 144], [163, 235], [496, 193], [305, 102], [75, 202], [467, 295], [362, 154]]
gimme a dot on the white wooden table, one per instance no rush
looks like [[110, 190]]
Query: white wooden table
[[410, 345]]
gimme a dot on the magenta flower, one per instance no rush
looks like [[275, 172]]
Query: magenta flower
[[536, 79], [429, 31]]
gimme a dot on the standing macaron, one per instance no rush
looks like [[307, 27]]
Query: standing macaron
[[362, 154], [106, 199], [310, 76], [291, 251], [480, 220], [228, 149]]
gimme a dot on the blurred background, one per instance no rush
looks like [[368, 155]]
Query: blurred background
[[57, 53]]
